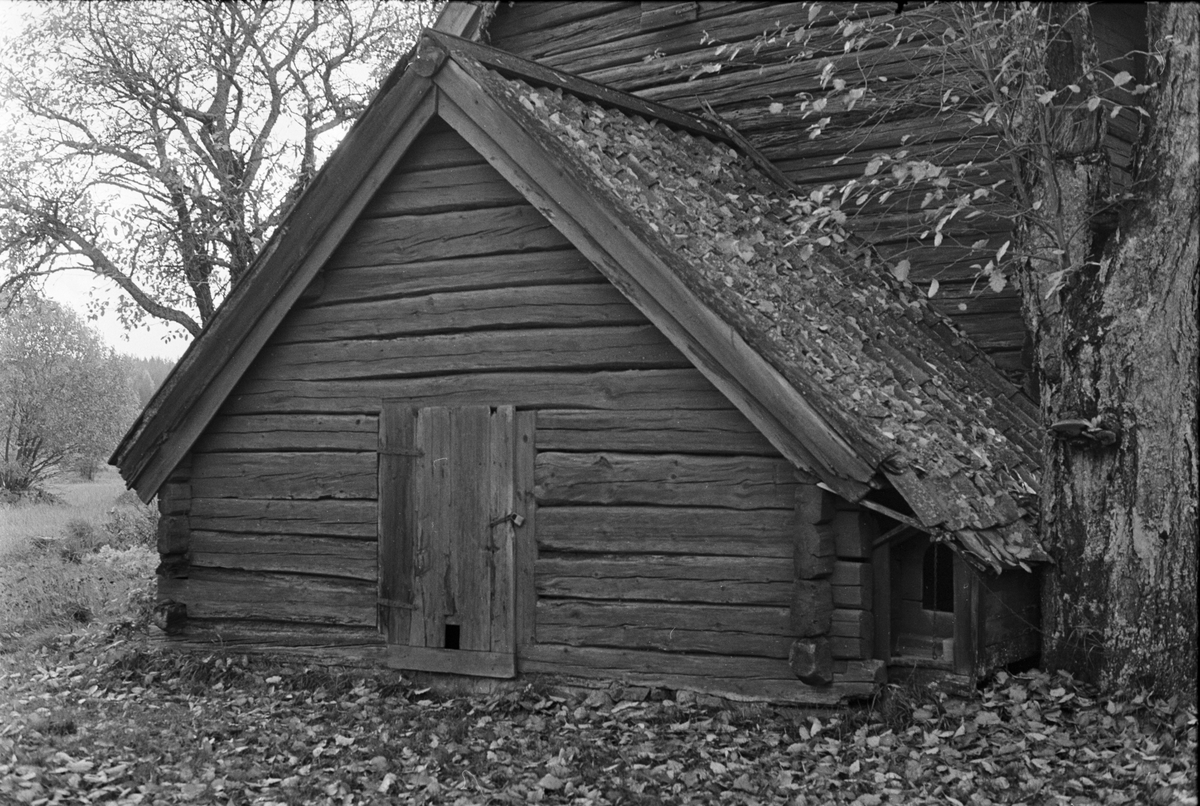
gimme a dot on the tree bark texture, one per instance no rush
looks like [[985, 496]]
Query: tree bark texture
[[1121, 519]]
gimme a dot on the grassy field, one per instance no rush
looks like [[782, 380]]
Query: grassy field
[[84, 562], [88, 501]]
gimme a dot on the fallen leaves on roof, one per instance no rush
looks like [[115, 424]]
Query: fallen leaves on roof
[[913, 395]]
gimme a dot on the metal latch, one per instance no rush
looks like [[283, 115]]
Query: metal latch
[[517, 520]]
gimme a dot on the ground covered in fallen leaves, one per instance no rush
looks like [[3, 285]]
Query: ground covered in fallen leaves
[[98, 719]]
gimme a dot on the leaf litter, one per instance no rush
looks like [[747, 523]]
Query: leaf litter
[[103, 720]]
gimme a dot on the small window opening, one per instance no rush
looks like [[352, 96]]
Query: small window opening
[[937, 579], [451, 636]]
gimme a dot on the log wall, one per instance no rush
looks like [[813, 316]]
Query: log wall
[[664, 521], [684, 59]]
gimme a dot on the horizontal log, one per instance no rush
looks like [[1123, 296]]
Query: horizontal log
[[174, 498], [641, 389], [463, 662], [852, 624], [285, 475], [814, 538], [852, 634], [441, 189], [811, 607], [218, 593], [611, 39], [853, 584], [854, 534], [299, 554], [329, 517], [737, 678], [814, 550], [740, 482], [657, 530], [174, 534], [292, 432], [564, 305], [634, 62], [439, 146], [541, 349], [408, 239], [264, 635], [666, 578], [518, 29], [679, 431], [759, 631], [850, 648], [556, 267]]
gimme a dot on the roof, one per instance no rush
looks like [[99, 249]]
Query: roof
[[848, 371]]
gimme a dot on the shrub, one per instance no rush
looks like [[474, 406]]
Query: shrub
[[79, 538], [105, 585], [129, 525]]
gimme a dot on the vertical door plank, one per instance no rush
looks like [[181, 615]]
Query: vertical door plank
[[501, 511], [397, 484], [433, 510], [467, 535], [525, 546]]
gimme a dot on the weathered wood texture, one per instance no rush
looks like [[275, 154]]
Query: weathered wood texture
[[674, 431], [736, 677], [659, 524], [300, 554], [174, 541], [691, 531], [306, 599], [675, 61], [664, 480], [667, 578], [447, 537]]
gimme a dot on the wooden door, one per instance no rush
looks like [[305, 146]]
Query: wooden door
[[448, 511]]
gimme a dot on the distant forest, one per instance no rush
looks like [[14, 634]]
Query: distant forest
[[146, 375]]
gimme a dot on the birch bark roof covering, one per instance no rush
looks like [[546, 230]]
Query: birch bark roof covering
[[913, 400]]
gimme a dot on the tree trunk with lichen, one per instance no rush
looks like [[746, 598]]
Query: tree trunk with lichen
[[1116, 347]]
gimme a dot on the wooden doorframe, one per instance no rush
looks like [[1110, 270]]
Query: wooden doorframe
[[434, 518]]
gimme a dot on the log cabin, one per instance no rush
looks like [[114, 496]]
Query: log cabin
[[541, 377]]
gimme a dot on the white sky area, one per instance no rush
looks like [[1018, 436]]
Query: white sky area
[[75, 288]]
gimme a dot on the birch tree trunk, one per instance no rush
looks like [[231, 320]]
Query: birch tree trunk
[[1121, 519]]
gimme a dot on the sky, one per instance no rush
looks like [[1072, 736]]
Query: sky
[[156, 339], [75, 288]]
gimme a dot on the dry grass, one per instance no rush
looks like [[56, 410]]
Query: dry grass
[[88, 501], [85, 561]]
